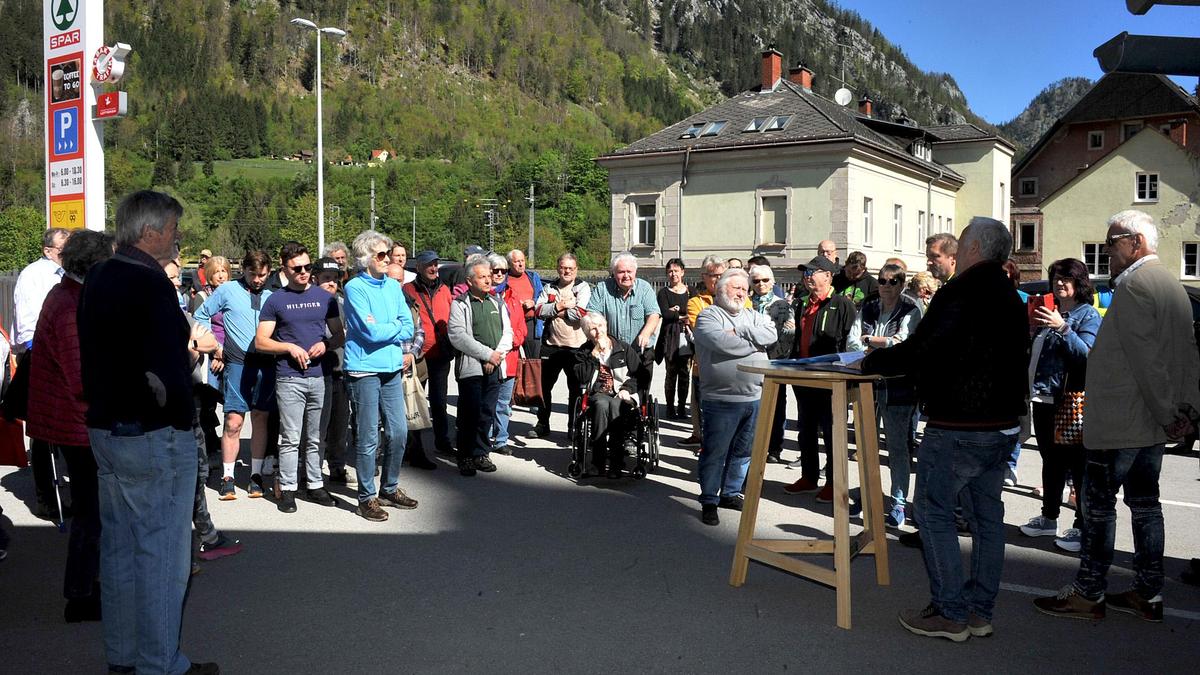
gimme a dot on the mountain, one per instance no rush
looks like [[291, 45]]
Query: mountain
[[1026, 128], [473, 100]]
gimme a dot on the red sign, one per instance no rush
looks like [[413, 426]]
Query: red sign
[[64, 39], [101, 66], [111, 104]]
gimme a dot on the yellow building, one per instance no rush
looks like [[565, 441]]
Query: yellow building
[[775, 170]]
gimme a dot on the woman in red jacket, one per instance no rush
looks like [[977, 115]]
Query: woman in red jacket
[[56, 415], [508, 378]]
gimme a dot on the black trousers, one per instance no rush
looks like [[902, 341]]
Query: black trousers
[[679, 371], [476, 413], [83, 548], [207, 399], [43, 472], [1058, 461], [816, 415], [556, 360], [607, 419], [439, 378]]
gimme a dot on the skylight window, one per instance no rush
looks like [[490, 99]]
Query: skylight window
[[757, 124], [713, 128], [778, 123], [693, 130]]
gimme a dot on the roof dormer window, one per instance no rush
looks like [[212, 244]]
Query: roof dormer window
[[713, 128], [778, 123], [693, 130], [757, 124], [922, 150]]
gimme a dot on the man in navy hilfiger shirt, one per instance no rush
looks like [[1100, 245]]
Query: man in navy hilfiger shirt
[[292, 327]]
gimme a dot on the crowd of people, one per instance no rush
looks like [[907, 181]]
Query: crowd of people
[[339, 363]]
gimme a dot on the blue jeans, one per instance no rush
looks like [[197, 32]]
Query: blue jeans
[[372, 397], [147, 488], [897, 428], [1137, 470], [503, 413], [971, 463], [728, 434]]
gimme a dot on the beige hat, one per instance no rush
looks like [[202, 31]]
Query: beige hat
[[205, 253]]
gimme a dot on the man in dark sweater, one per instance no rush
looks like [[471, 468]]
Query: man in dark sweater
[[968, 355], [854, 282], [137, 381]]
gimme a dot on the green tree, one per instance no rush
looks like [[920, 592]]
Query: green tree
[[21, 229], [164, 171]]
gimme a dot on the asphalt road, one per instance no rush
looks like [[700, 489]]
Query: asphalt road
[[524, 570]]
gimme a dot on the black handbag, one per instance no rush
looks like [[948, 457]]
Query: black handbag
[[15, 405]]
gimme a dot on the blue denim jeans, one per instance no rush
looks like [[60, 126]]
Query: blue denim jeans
[[147, 487], [372, 397], [971, 463], [503, 413], [897, 423], [728, 435], [1137, 470]]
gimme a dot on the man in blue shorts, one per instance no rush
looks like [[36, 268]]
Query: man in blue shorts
[[249, 376]]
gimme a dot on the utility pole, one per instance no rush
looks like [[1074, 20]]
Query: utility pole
[[490, 204], [372, 203], [529, 253], [414, 227]]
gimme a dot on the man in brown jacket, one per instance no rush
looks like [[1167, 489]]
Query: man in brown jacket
[[1142, 379]]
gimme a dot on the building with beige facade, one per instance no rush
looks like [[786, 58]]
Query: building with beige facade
[[775, 170]]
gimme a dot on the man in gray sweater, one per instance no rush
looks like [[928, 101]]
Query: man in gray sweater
[[728, 335]]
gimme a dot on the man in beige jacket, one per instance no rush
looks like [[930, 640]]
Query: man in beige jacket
[[1142, 378]]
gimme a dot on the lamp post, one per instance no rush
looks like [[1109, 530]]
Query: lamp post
[[305, 23]]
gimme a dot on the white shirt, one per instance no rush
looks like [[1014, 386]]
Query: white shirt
[[33, 285]]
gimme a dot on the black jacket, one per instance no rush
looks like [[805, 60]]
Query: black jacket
[[969, 353], [834, 320]]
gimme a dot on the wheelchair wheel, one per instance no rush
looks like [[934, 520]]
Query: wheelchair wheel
[[575, 470], [581, 448], [652, 435]]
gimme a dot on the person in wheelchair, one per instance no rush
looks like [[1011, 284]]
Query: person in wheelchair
[[609, 371]]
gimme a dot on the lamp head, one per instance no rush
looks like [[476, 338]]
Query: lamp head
[[330, 30], [304, 22]]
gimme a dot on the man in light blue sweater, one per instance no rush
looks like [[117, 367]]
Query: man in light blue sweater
[[727, 335]]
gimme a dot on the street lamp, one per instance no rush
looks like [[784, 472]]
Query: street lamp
[[305, 23]]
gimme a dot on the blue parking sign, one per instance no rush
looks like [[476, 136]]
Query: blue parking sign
[[66, 131]]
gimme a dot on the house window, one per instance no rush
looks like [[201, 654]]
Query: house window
[[773, 223], [1129, 129], [940, 228], [647, 224], [1095, 140], [779, 123], [1095, 258], [950, 225], [1029, 187], [1191, 259], [1146, 187], [897, 227], [921, 233], [713, 128], [693, 130], [1026, 235], [757, 124], [1001, 199], [868, 233]]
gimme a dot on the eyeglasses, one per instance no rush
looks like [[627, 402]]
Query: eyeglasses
[[381, 255], [1112, 239], [889, 282], [809, 273], [301, 269], [499, 270], [762, 281]]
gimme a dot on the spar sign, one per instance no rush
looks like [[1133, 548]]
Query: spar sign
[[72, 32]]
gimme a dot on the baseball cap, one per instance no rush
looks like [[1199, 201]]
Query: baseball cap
[[205, 253], [473, 250], [818, 264], [426, 257], [326, 265]]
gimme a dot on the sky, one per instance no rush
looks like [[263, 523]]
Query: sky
[[1003, 53]]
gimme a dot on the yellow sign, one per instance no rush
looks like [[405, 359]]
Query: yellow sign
[[68, 214]]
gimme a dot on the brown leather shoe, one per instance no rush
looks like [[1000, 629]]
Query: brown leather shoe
[[979, 626], [371, 510], [1130, 602], [1069, 603], [397, 500], [930, 623]]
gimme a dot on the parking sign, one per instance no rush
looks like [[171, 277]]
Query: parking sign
[[66, 132]]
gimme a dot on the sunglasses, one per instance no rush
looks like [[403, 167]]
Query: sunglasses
[[499, 270], [1113, 239], [889, 282], [381, 255], [762, 281], [301, 269], [809, 273]]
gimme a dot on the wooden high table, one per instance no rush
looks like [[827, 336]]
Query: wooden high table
[[845, 388]]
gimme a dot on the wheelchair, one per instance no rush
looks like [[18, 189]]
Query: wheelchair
[[640, 425]]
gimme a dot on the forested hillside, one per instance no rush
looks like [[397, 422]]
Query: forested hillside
[[472, 100], [1043, 111]]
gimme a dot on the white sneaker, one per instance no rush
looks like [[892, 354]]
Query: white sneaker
[[1010, 477], [1039, 526], [1071, 540]]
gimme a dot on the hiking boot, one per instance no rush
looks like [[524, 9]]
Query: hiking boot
[[255, 489], [226, 491], [338, 475], [930, 623], [825, 496], [1069, 603], [979, 626], [371, 510], [320, 496], [484, 464], [505, 450], [287, 501], [708, 514], [733, 503], [1130, 602], [223, 546], [801, 486], [692, 441], [466, 466], [1071, 540], [397, 500], [1040, 526]]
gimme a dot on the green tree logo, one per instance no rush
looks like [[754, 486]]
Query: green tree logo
[[65, 15]]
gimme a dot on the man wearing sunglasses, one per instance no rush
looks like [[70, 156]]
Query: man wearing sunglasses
[[292, 328]]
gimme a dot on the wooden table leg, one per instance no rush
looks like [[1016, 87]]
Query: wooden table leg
[[841, 510], [868, 454], [754, 480]]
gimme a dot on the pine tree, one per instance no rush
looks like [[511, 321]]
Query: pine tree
[[187, 168], [164, 171]]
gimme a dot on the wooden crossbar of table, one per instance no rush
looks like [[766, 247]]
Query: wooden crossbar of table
[[845, 388]]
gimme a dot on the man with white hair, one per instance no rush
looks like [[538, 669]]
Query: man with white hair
[[969, 358], [728, 335], [630, 308], [1141, 392]]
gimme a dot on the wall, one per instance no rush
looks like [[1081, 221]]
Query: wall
[[887, 187], [984, 165]]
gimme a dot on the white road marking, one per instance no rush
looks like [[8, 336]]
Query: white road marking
[[1034, 590]]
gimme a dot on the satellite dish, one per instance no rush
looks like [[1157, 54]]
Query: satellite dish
[[843, 96]]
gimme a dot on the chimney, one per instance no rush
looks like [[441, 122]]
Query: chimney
[[864, 105], [772, 69], [1178, 132], [802, 76]]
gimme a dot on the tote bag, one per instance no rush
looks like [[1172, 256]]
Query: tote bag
[[416, 405], [528, 388]]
